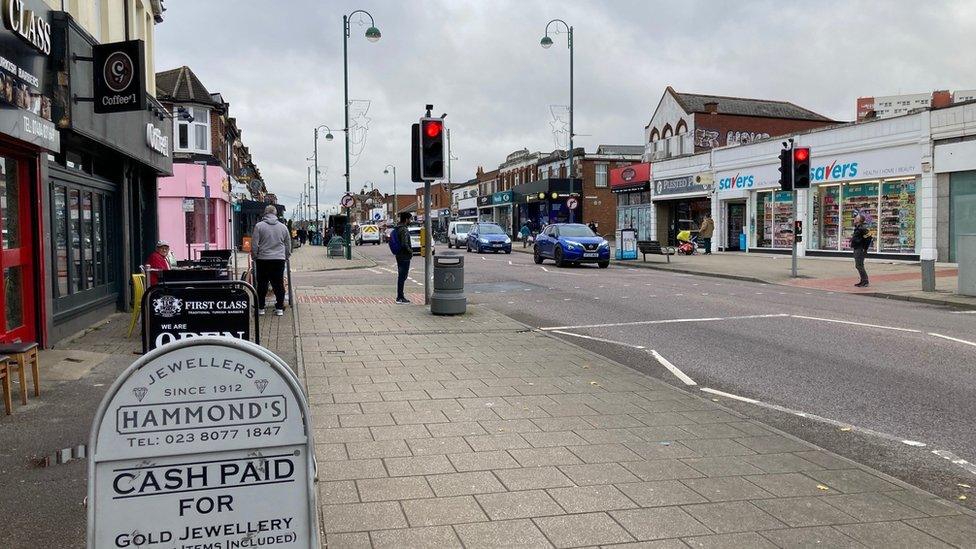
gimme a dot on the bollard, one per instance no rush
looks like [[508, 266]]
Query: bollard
[[448, 295], [928, 275]]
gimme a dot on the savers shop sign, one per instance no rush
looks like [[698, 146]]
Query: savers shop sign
[[203, 443]]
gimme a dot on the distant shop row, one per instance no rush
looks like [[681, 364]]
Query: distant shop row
[[913, 177]]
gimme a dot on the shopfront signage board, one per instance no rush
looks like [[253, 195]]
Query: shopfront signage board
[[679, 185], [25, 47], [120, 76], [203, 443], [504, 197], [185, 310]]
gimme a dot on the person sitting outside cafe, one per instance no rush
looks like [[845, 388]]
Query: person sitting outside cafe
[[157, 261]]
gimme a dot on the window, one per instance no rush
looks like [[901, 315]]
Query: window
[[81, 221], [601, 174], [194, 136], [196, 222]]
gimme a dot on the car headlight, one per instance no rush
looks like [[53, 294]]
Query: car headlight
[[483, 240], [573, 244], [508, 240], [604, 244]]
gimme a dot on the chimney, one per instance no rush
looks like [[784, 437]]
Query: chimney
[[941, 98], [711, 107]]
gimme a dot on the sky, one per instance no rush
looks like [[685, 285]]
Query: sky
[[280, 66]]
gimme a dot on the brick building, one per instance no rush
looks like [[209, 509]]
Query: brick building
[[440, 203], [687, 123]]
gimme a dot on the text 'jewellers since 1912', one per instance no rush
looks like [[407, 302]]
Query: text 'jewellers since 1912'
[[203, 443]]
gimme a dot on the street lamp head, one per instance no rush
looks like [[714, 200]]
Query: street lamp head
[[546, 42], [386, 172], [329, 136], [373, 34]]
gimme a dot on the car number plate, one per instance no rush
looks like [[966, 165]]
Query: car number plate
[[497, 245], [591, 254]]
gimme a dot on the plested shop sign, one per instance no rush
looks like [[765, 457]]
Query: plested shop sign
[[203, 443]]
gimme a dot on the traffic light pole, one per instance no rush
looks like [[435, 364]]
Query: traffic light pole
[[426, 243], [793, 272]]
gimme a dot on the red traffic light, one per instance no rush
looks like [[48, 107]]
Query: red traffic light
[[801, 155], [433, 128]]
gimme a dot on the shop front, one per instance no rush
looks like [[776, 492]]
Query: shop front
[[485, 211], [498, 209], [545, 201], [27, 136], [100, 196], [681, 203], [195, 209], [467, 209], [879, 184], [632, 187]]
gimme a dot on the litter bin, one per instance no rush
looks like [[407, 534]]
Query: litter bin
[[448, 295], [966, 256], [337, 247]]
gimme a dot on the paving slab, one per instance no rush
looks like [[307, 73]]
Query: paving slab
[[431, 434]]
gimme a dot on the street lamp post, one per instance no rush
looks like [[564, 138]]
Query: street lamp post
[[547, 43], [328, 137], [372, 34], [386, 170]]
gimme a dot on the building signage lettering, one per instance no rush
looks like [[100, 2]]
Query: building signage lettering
[[736, 181], [679, 185], [156, 140], [28, 25], [185, 456], [503, 197]]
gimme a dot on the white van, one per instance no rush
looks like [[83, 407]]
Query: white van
[[457, 234]]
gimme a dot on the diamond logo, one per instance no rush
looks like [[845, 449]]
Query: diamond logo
[[140, 393], [261, 384]]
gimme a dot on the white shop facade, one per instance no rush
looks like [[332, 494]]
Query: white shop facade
[[881, 169]]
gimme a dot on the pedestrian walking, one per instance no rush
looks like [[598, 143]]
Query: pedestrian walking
[[592, 226], [401, 248], [302, 234], [270, 247], [860, 243], [705, 232], [524, 232]]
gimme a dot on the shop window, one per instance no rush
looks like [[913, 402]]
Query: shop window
[[74, 230], [774, 219], [896, 220], [888, 207], [194, 136], [601, 174], [196, 223], [9, 204], [60, 199], [83, 257], [858, 198]]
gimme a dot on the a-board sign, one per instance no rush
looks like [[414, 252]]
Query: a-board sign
[[177, 311], [203, 443]]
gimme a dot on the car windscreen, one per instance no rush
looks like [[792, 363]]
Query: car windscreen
[[490, 228], [575, 230], [462, 227]]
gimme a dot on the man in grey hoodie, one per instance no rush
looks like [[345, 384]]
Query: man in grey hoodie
[[270, 247]]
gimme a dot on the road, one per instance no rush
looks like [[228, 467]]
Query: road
[[889, 384]]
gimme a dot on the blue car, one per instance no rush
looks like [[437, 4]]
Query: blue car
[[484, 237], [571, 243]]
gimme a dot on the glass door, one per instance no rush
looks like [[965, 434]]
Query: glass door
[[17, 280]]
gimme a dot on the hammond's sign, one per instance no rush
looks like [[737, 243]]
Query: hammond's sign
[[203, 443]]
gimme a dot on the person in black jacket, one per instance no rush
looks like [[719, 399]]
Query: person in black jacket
[[860, 242], [404, 256]]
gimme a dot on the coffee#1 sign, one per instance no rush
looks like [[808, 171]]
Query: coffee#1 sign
[[203, 443]]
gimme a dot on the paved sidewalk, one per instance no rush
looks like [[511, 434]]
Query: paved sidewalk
[[316, 258], [474, 431], [894, 280]]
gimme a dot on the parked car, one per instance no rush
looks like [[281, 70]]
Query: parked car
[[368, 234], [457, 233], [571, 243], [488, 237], [414, 231]]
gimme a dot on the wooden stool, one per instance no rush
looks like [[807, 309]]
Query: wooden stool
[[5, 380], [20, 354]]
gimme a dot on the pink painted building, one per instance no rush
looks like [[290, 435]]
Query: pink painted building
[[182, 212]]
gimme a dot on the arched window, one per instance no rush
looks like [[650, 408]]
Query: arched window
[[668, 132], [680, 128], [655, 135]]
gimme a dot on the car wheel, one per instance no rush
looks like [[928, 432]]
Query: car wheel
[[508, 251], [449, 245], [604, 264], [558, 257], [536, 256]]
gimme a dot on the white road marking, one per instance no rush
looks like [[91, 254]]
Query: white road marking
[[672, 368], [544, 269], [391, 271], [509, 261], [956, 460], [964, 312], [730, 395], [957, 340], [834, 320], [666, 321], [625, 297], [374, 271], [598, 339]]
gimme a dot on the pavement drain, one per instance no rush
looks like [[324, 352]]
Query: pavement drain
[[62, 456]]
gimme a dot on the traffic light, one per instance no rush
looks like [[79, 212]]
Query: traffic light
[[431, 148], [785, 170], [415, 154], [801, 168]]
